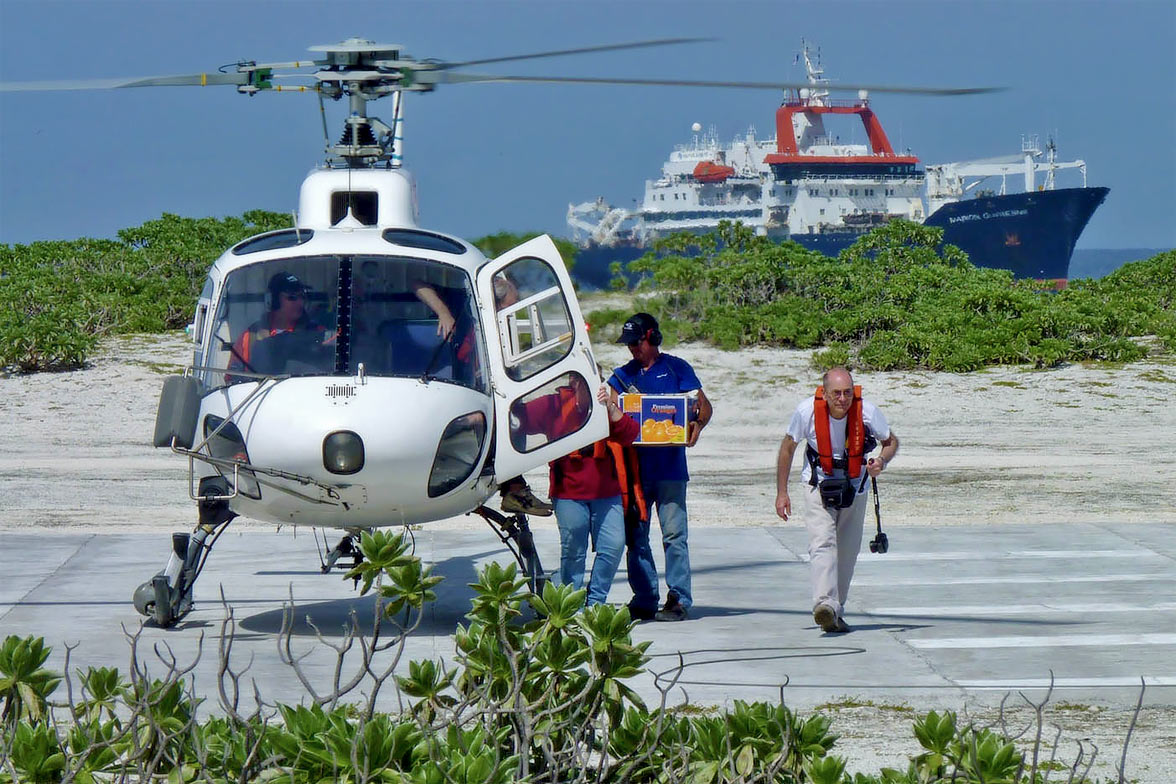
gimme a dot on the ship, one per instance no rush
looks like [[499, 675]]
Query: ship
[[808, 186]]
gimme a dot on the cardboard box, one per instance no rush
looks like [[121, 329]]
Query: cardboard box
[[662, 418]]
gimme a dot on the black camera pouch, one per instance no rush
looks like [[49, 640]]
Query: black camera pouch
[[837, 493]]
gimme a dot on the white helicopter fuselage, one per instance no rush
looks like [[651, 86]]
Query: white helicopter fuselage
[[400, 422], [376, 405]]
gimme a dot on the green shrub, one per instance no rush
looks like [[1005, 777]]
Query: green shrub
[[898, 299], [494, 245], [57, 299]]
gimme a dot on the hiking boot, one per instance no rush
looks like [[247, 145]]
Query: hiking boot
[[672, 610], [525, 502], [826, 617]]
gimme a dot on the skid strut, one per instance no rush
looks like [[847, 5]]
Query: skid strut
[[167, 597], [515, 533]]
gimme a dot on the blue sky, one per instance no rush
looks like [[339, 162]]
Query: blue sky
[[1100, 76]]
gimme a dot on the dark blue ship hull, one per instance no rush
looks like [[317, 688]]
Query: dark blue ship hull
[[1030, 234]]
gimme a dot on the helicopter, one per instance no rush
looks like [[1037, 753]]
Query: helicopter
[[358, 370]]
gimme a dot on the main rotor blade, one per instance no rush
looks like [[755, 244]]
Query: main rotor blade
[[459, 78], [581, 50], [193, 80]]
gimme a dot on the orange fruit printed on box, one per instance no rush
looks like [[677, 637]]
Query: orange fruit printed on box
[[662, 417]]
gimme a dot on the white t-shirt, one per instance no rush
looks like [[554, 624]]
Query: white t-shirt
[[803, 429]]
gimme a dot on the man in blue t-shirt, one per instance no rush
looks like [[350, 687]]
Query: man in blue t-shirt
[[663, 471]]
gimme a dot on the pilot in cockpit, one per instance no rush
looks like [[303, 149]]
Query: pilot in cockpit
[[285, 338]]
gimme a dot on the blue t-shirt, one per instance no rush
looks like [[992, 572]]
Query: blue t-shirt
[[668, 375]]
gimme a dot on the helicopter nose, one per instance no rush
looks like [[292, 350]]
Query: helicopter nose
[[343, 452]]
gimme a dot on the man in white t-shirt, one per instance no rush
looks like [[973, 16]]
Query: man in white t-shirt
[[839, 430]]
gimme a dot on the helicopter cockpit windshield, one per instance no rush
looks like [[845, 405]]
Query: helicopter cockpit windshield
[[328, 315]]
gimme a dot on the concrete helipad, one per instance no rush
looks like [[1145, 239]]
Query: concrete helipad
[[948, 614]]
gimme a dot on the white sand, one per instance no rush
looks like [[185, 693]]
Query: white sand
[[1006, 445]]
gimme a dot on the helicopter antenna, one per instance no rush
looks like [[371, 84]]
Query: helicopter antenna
[[396, 136], [323, 115]]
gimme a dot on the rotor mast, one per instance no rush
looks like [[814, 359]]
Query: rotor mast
[[365, 71]]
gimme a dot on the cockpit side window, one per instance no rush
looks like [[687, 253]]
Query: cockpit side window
[[327, 315], [276, 318]]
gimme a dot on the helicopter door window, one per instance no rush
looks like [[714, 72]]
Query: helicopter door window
[[534, 321], [555, 410], [276, 318]]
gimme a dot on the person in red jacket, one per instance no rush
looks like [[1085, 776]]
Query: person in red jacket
[[591, 487]]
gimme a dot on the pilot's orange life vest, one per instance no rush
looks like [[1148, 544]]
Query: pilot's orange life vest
[[244, 347], [855, 433]]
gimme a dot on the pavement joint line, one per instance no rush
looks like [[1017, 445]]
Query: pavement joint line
[[65, 562], [1055, 641], [1106, 528]]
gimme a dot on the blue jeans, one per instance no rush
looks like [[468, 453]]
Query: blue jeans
[[604, 519], [670, 500]]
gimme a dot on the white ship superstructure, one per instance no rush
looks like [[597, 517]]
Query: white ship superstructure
[[801, 181], [808, 185]]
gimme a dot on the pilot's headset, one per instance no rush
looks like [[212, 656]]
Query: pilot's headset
[[281, 282], [641, 325]]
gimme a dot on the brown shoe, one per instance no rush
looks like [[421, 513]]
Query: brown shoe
[[826, 617], [523, 501], [672, 610]]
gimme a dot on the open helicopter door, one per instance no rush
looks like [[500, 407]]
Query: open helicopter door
[[542, 370]]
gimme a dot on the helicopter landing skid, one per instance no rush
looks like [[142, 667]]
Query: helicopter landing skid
[[167, 597], [348, 546], [515, 533]]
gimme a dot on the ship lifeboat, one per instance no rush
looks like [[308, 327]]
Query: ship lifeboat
[[709, 171]]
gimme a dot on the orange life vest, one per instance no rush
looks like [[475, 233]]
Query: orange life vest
[[855, 433], [244, 347], [624, 458]]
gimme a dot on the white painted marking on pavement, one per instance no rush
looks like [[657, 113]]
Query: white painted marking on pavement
[[973, 555], [1068, 683], [1045, 641], [1018, 579], [1023, 609]]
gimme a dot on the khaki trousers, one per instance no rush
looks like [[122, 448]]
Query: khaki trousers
[[835, 537]]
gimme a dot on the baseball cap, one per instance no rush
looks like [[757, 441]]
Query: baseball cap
[[286, 283], [636, 328]]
